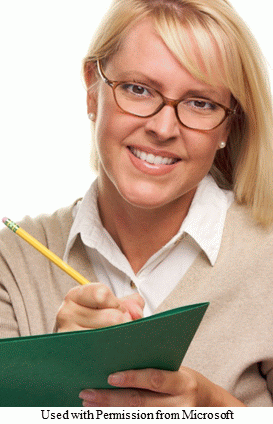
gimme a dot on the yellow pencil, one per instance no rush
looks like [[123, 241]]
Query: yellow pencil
[[45, 251]]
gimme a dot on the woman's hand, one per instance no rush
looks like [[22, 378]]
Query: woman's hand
[[95, 306], [158, 388]]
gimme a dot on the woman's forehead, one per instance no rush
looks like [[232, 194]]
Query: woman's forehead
[[147, 41], [143, 48]]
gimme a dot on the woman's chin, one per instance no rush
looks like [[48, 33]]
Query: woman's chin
[[145, 199]]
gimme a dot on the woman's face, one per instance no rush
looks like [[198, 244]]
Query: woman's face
[[143, 57]]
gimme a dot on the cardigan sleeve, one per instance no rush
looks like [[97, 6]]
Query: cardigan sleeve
[[8, 321], [32, 288], [13, 320]]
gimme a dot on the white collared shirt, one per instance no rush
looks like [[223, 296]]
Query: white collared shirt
[[201, 230]]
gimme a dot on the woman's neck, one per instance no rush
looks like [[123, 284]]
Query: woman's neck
[[140, 232]]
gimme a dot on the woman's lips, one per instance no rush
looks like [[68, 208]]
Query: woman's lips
[[151, 162], [153, 158]]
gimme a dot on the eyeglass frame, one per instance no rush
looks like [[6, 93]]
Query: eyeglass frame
[[165, 101]]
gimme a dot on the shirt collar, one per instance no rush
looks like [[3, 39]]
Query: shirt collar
[[206, 217], [204, 222], [86, 218]]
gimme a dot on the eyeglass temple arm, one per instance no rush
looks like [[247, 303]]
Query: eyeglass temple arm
[[102, 75]]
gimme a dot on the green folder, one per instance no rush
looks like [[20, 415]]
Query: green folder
[[52, 369]]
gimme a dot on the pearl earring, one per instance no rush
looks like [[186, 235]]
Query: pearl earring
[[91, 116], [222, 144]]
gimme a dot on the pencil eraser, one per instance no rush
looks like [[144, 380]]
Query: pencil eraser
[[4, 219]]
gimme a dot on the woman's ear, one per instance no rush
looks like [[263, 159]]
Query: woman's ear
[[91, 80]]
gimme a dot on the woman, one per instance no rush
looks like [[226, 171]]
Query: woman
[[183, 147]]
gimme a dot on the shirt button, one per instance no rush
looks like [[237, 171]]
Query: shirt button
[[132, 284]]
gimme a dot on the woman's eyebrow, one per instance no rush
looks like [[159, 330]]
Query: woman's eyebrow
[[139, 77]]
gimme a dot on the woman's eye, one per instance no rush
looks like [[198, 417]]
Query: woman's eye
[[135, 89], [201, 104]]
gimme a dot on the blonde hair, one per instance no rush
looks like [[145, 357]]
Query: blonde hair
[[222, 42]]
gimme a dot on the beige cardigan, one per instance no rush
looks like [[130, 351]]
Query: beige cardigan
[[233, 346]]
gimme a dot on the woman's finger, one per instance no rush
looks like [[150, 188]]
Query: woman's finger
[[125, 398], [94, 295], [155, 380], [91, 306], [134, 304]]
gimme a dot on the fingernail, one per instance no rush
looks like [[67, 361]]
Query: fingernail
[[88, 395], [116, 379]]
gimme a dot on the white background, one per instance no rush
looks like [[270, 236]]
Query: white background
[[44, 130]]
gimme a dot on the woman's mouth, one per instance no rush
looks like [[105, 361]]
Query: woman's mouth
[[152, 163], [153, 159]]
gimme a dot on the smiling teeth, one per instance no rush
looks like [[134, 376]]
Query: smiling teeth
[[152, 159]]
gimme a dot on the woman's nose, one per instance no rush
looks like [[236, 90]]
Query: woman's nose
[[164, 125]]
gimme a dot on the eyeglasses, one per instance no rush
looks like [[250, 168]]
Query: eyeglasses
[[143, 101]]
